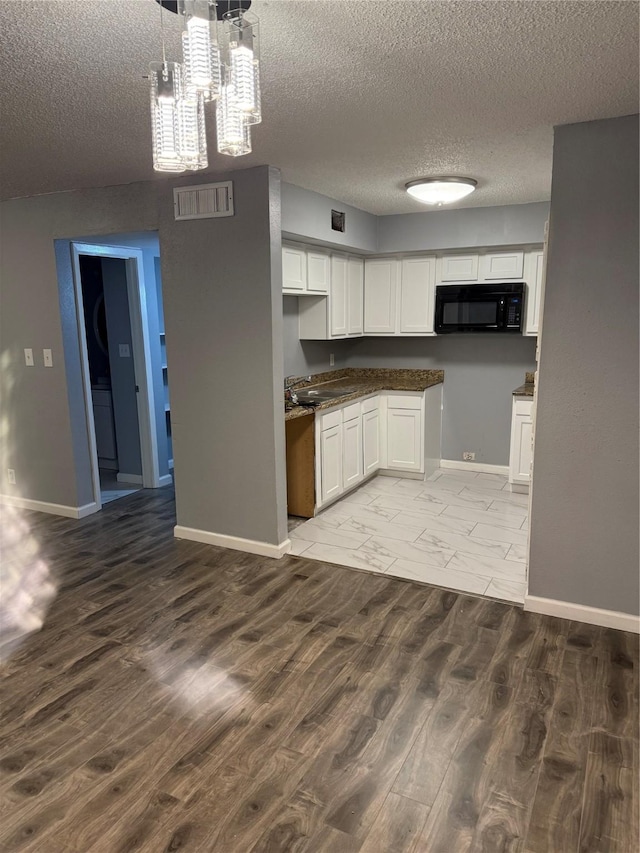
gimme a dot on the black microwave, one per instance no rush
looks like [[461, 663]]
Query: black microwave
[[479, 308]]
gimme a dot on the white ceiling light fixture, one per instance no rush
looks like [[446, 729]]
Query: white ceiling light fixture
[[442, 190], [221, 62]]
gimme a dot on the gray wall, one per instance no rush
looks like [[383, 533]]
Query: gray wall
[[222, 285], [584, 522], [303, 357], [224, 333], [481, 371], [123, 375], [467, 228], [306, 215]]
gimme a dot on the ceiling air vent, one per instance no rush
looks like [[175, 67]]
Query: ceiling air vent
[[204, 201]]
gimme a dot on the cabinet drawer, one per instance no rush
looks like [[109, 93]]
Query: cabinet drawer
[[351, 412], [404, 401], [330, 419], [370, 405]]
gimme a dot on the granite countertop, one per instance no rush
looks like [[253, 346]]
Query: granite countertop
[[526, 390], [360, 381]]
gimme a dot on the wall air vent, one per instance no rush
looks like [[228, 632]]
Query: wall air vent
[[204, 201]]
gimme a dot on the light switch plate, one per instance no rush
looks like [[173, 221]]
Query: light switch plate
[[47, 355], [28, 356], [125, 352]]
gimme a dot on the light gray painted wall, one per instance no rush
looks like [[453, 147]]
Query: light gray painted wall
[[304, 357], [222, 285], [584, 521], [306, 215], [481, 371], [123, 376], [220, 278], [508, 225]]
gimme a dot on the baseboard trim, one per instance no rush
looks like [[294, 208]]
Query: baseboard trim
[[50, 508], [236, 543], [583, 613], [401, 475], [477, 467], [129, 478], [165, 480]]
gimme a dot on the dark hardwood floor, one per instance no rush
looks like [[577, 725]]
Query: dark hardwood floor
[[182, 697]]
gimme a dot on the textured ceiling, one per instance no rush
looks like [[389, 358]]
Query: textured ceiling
[[359, 96]]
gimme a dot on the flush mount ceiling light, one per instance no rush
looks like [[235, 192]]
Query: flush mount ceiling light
[[220, 62], [440, 190]]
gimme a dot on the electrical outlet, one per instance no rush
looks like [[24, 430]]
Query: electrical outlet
[[11, 476], [47, 356], [124, 350], [468, 456], [28, 357], [332, 359]]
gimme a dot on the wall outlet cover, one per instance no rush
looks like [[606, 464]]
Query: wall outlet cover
[[11, 476], [28, 356], [468, 456], [332, 359], [124, 350], [47, 357]]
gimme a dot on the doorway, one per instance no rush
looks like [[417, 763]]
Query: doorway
[[118, 369], [107, 325]]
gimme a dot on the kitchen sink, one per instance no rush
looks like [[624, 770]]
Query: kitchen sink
[[319, 396]]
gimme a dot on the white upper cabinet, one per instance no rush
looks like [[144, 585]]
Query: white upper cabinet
[[535, 288], [338, 304], [417, 296], [294, 270], [318, 271], [355, 296], [380, 295], [502, 265], [459, 268]]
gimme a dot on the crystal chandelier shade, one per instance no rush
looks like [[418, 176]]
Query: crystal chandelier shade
[[221, 62]]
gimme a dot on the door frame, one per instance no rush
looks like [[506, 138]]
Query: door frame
[[140, 339]]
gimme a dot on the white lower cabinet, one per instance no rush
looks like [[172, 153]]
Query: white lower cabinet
[[405, 433], [521, 451], [371, 436], [391, 431], [352, 451], [331, 463]]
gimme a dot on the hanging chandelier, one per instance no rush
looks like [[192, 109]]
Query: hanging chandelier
[[221, 63]]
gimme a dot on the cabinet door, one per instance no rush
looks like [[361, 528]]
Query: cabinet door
[[318, 271], [294, 269], [404, 439], [338, 298], [355, 296], [352, 452], [380, 292], [502, 265], [534, 293], [371, 441], [417, 296], [331, 463], [459, 268], [521, 452]]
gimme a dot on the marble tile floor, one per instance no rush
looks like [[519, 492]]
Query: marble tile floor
[[459, 529]]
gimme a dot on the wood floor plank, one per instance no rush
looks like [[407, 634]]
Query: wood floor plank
[[397, 827], [182, 696], [557, 808]]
